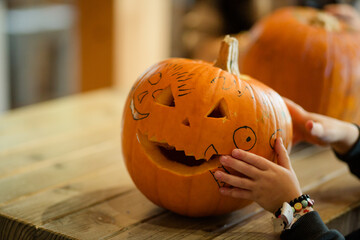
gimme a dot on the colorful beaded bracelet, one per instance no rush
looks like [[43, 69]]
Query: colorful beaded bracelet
[[298, 203]]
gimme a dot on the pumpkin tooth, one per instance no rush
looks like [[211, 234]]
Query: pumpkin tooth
[[171, 146]]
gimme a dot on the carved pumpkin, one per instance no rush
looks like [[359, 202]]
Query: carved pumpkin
[[310, 57], [182, 114]]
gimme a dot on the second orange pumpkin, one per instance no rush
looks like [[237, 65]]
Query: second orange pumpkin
[[310, 57]]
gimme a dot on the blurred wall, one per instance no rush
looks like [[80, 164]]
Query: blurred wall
[[42, 49], [142, 37]]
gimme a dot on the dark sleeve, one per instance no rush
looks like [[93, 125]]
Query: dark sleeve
[[352, 157], [310, 227]]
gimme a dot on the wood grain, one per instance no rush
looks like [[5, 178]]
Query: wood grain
[[11, 228]]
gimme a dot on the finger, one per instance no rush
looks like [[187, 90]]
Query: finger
[[315, 129], [282, 155], [236, 193], [235, 181], [240, 166], [250, 158]]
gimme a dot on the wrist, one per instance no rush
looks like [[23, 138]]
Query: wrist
[[351, 136], [291, 211]]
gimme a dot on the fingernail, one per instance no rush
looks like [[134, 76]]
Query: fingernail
[[236, 153], [218, 174], [278, 139], [223, 159]]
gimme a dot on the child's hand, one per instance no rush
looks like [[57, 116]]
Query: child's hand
[[266, 183], [320, 129]]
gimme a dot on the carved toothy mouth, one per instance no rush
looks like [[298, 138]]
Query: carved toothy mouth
[[172, 154], [168, 157]]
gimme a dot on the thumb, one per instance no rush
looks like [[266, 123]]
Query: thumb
[[315, 129], [282, 155]]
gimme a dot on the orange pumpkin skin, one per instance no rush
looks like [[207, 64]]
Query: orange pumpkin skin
[[203, 111], [316, 66]]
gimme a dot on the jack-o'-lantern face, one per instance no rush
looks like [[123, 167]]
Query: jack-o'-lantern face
[[180, 116]]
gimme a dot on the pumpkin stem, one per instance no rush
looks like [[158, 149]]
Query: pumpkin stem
[[228, 56]]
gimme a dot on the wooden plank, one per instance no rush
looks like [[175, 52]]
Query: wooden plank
[[76, 164], [316, 168], [106, 218], [173, 226], [71, 197], [19, 160], [336, 199], [35, 123], [346, 222], [11, 229], [51, 236]]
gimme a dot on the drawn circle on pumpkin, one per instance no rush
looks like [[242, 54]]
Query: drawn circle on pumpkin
[[244, 138], [155, 78], [272, 138]]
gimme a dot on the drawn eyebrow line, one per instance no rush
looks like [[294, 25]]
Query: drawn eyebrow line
[[183, 80], [180, 95], [187, 89], [181, 76], [175, 73], [178, 67]]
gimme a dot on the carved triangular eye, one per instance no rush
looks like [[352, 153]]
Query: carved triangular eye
[[220, 110], [165, 97]]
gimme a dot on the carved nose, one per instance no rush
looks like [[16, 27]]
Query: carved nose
[[186, 122]]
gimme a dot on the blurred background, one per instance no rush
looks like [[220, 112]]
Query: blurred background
[[54, 48]]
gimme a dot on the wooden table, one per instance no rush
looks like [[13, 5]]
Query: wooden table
[[62, 177]]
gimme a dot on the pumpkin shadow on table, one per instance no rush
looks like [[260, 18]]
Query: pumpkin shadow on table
[[170, 224], [101, 206], [139, 216]]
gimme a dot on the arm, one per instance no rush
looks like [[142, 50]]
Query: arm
[[343, 137], [270, 185], [322, 130]]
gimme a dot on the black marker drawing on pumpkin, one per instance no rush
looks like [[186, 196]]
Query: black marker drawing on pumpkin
[[249, 89], [273, 138], [226, 84], [189, 77], [152, 80], [155, 78], [181, 75], [156, 92], [210, 151], [220, 183], [142, 95], [183, 89], [244, 138], [135, 113], [222, 166]]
